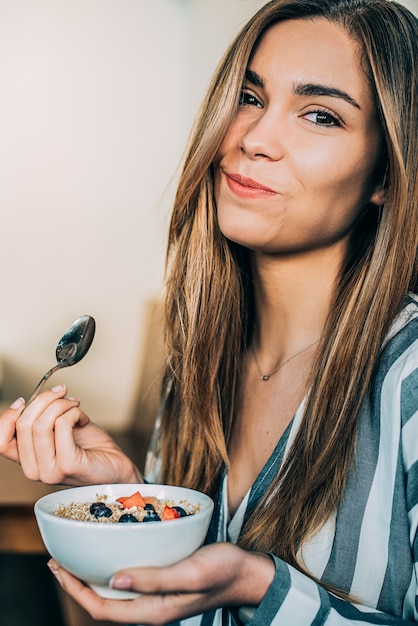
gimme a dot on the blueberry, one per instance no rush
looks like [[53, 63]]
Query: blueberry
[[104, 512], [127, 518], [99, 509], [149, 507], [180, 510], [96, 505], [152, 516]]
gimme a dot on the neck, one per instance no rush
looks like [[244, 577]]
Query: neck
[[293, 297]]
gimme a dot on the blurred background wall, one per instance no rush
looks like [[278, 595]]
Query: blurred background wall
[[96, 101]]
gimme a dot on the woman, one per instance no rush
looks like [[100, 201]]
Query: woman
[[290, 385]]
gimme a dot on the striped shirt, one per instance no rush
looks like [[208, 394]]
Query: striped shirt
[[370, 546]]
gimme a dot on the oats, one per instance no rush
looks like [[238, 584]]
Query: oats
[[80, 511]]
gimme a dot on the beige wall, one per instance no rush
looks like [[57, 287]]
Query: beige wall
[[97, 97], [411, 4]]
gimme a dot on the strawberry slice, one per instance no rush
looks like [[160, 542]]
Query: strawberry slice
[[134, 500], [170, 513]]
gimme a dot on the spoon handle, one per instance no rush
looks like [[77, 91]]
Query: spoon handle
[[41, 383]]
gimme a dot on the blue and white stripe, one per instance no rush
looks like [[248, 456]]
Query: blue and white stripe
[[370, 547]]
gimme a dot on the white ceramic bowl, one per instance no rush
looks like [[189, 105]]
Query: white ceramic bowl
[[94, 552]]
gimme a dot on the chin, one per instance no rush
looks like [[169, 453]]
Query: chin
[[238, 231]]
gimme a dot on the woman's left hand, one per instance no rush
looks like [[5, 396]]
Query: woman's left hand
[[216, 575]]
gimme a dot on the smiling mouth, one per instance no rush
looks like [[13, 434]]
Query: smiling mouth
[[247, 187]]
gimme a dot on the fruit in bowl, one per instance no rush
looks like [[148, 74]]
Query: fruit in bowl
[[77, 529]]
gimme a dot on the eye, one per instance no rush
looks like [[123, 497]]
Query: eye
[[323, 118], [248, 99]]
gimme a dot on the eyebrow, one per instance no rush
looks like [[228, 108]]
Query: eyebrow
[[306, 89], [254, 78], [312, 89]]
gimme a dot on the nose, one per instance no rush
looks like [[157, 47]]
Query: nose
[[265, 138]]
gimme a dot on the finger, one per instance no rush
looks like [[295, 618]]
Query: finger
[[214, 573], [146, 609], [35, 429], [35, 435], [64, 431], [65, 455], [38, 406], [98, 607], [86, 597], [179, 578], [8, 445], [47, 462], [51, 462], [208, 568]]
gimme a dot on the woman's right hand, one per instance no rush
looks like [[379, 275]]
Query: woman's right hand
[[56, 443]]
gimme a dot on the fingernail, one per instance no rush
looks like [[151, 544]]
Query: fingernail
[[54, 567], [58, 388], [121, 581], [73, 399], [17, 404]]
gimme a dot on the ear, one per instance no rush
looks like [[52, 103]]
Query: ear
[[378, 196], [379, 192]]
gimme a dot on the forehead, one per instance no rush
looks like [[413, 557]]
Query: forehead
[[316, 50]]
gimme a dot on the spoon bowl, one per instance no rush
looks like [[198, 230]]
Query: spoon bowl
[[71, 348]]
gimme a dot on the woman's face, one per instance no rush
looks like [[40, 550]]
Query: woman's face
[[298, 162]]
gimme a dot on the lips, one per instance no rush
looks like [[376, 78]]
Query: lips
[[247, 188], [248, 182]]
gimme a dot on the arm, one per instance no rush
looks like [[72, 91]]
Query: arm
[[55, 442], [294, 598]]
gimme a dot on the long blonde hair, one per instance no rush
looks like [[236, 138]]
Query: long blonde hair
[[210, 302]]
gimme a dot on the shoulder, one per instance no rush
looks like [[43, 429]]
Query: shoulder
[[401, 342], [395, 382]]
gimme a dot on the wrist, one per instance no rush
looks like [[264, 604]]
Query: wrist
[[257, 574], [261, 574], [135, 476]]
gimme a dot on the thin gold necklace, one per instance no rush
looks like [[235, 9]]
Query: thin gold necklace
[[266, 377]]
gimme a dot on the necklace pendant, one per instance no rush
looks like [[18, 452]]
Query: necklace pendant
[[266, 377]]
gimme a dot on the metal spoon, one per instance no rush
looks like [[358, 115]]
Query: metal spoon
[[71, 348]]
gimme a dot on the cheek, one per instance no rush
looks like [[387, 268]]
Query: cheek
[[216, 188], [232, 141], [342, 177]]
